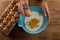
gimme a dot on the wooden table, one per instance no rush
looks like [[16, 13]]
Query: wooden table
[[52, 32]]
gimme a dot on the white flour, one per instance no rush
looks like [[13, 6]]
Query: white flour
[[37, 16]]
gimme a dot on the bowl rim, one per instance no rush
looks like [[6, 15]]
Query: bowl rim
[[35, 32]]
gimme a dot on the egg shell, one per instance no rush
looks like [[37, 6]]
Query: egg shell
[[9, 25], [11, 13], [13, 20], [5, 22], [6, 30], [8, 17], [16, 15], [2, 26], [4, 14], [27, 12], [1, 18]]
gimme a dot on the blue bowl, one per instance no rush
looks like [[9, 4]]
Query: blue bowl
[[40, 11]]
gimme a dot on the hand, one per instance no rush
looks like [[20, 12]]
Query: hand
[[21, 5], [45, 9]]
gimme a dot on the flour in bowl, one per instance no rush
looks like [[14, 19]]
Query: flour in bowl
[[34, 22]]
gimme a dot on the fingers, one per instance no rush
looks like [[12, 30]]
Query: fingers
[[46, 10], [21, 5], [20, 8], [46, 13], [48, 16], [43, 8]]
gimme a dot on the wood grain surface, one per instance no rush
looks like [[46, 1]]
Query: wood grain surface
[[52, 32]]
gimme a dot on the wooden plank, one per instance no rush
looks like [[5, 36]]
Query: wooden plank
[[52, 32]]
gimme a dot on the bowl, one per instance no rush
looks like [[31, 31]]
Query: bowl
[[44, 25]]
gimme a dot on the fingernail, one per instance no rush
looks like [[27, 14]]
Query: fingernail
[[45, 14]]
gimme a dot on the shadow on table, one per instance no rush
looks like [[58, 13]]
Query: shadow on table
[[19, 34]]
